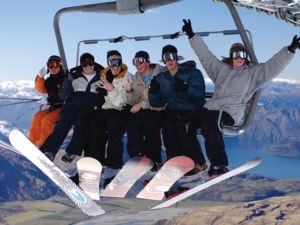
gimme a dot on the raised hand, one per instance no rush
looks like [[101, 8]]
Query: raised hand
[[42, 72], [295, 44], [187, 28]]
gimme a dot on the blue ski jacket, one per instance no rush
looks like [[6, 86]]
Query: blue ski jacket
[[191, 99]]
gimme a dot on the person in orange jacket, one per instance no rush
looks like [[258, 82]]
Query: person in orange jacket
[[43, 122]]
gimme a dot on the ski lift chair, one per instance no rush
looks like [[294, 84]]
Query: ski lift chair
[[239, 128]]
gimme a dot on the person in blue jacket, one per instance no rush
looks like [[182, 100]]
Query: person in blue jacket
[[181, 89]]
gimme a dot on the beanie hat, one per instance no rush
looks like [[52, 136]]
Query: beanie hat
[[54, 58], [86, 57], [142, 54], [169, 49], [113, 54], [236, 47]]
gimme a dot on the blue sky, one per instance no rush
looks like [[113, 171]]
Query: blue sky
[[27, 36]]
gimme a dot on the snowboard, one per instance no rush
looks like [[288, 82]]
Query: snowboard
[[248, 165], [32, 153], [171, 171], [89, 172], [132, 170]]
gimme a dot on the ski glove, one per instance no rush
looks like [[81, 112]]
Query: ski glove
[[187, 28], [42, 72], [180, 85], [295, 44], [154, 86]]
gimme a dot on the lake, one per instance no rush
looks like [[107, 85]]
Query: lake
[[272, 166]]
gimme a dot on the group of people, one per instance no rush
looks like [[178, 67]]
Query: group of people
[[104, 103]]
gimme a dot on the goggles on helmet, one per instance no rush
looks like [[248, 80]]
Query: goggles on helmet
[[138, 61], [54, 64], [114, 62], [239, 54], [169, 56]]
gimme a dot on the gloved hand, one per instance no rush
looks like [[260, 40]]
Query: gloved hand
[[180, 85], [42, 72], [44, 101], [295, 44], [187, 28], [154, 86]]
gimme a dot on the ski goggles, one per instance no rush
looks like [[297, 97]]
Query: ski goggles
[[87, 63], [169, 56], [239, 54], [54, 64], [114, 62], [138, 61]]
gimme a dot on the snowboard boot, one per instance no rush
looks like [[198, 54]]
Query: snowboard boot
[[197, 169], [215, 171], [68, 158], [49, 155], [176, 191]]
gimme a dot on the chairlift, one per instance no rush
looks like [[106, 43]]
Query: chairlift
[[122, 7]]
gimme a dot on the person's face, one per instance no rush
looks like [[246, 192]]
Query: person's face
[[141, 65], [238, 62], [172, 65], [88, 67], [238, 58], [54, 67], [115, 70]]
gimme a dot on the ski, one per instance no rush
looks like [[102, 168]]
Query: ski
[[248, 165], [133, 169], [171, 171], [32, 153]]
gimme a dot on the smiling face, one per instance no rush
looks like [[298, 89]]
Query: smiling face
[[238, 63]]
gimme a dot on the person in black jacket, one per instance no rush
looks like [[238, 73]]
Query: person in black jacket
[[44, 121], [85, 97], [181, 89]]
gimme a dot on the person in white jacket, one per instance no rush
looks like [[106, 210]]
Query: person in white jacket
[[236, 79], [145, 121], [113, 116]]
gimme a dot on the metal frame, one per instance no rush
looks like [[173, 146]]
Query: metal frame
[[149, 37], [140, 6]]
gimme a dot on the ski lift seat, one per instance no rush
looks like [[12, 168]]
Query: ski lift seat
[[240, 127]]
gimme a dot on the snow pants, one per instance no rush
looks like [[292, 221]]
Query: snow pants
[[114, 122], [180, 138], [42, 125], [143, 134]]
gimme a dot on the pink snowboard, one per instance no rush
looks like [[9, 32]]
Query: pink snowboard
[[172, 171]]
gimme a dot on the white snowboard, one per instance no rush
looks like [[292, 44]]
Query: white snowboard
[[89, 172]]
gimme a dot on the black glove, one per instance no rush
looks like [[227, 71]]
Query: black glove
[[187, 28], [295, 44], [180, 85], [154, 86]]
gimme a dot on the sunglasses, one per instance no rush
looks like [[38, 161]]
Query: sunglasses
[[169, 56], [114, 62], [54, 64], [239, 54], [85, 64], [138, 61]]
